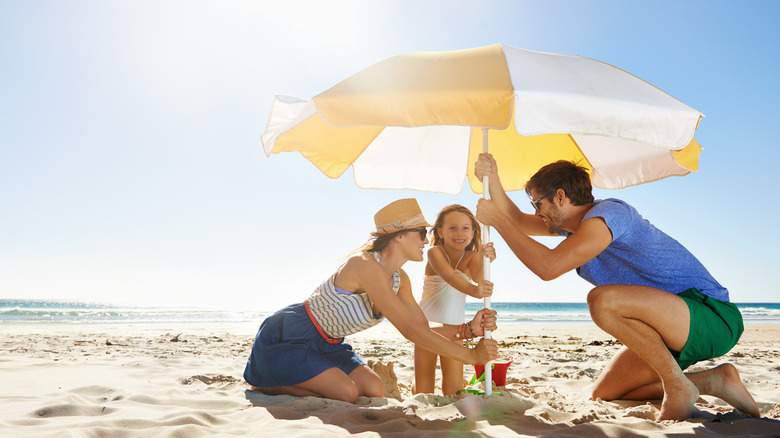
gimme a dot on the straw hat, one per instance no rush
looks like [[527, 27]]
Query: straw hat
[[403, 214]]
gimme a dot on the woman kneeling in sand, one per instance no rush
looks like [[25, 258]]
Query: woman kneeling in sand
[[300, 350]]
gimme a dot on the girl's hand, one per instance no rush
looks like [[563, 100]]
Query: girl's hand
[[489, 251], [485, 289], [485, 319]]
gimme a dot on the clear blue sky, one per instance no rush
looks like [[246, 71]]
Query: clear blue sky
[[130, 160]]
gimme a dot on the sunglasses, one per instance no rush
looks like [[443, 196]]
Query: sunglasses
[[423, 232], [538, 201]]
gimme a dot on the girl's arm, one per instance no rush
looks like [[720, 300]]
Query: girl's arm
[[438, 261], [404, 313], [476, 268]]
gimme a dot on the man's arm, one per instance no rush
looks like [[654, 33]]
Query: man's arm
[[591, 238]]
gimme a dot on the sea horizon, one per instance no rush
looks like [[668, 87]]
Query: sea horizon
[[23, 311]]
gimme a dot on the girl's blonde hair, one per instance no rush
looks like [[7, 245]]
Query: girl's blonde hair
[[475, 243]]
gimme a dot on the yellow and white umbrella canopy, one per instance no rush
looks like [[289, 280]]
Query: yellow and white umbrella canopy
[[414, 121]]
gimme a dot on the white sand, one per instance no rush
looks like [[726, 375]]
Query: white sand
[[124, 380]]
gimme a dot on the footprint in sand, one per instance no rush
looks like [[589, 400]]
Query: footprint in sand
[[70, 410]]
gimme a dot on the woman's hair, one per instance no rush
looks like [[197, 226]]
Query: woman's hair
[[379, 241], [475, 243], [566, 175]]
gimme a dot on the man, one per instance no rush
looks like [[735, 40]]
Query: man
[[651, 294]]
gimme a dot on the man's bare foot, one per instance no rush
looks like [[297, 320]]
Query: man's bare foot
[[724, 382], [677, 404]]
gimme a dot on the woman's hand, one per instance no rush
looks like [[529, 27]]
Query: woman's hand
[[485, 351], [485, 319], [489, 251]]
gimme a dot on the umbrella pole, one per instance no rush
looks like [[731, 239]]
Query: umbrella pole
[[486, 263]]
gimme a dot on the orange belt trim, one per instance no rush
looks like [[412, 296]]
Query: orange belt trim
[[317, 326]]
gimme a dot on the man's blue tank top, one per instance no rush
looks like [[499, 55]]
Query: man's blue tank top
[[641, 254]]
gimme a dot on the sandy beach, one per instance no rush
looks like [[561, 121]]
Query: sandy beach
[[120, 380]]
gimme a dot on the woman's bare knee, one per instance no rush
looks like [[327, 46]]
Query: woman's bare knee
[[374, 388], [367, 382], [346, 393]]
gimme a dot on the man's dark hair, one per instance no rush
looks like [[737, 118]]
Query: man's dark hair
[[566, 175]]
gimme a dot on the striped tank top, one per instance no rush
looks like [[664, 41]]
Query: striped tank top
[[341, 313]]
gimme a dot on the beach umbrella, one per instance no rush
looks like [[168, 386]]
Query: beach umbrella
[[419, 120], [413, 121]]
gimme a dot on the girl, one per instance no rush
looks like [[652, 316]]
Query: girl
[[300, 350], [454, 261]]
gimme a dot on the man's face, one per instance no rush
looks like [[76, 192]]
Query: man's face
[[549, 212]]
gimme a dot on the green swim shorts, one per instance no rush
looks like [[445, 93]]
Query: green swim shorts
[[715, 328]]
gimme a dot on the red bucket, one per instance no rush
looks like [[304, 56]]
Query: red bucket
[[499, 371]]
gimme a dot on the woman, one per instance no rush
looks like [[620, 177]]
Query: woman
[[300, 350]]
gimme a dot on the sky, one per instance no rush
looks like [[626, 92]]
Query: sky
[[131, 169]]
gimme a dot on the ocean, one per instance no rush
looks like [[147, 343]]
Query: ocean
[[66, 312]]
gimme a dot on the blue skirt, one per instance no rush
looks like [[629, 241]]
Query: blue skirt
[[289, 350]]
